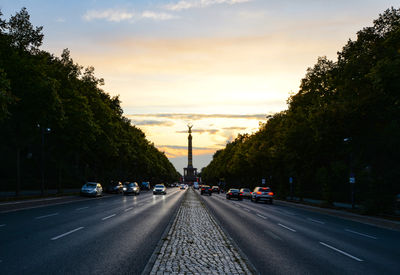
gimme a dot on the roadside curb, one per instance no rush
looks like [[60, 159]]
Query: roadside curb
[[245, 259], [374, 221], [147, 269]]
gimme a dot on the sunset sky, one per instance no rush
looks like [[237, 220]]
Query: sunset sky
[[221, 65]]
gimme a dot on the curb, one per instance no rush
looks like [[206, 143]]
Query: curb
[[149, 266], [245, 259]]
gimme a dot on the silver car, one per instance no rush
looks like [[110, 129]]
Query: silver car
[[92, 189], [160, 189], [262, 194]]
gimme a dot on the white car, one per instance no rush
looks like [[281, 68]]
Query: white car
[[160, 189], [92, 189]]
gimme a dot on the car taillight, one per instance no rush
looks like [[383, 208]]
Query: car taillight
[[271, 193], [229, 193], [240, 194], [258, 193]]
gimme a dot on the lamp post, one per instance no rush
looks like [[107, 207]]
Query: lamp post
[[352, 178], [43, 158]]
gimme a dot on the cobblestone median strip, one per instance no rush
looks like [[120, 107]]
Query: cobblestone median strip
[[196, 244]]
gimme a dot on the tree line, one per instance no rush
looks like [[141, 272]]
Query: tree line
[[58, 127], [344, 122]]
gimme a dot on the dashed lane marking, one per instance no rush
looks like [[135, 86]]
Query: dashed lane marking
[[130, 208], [341, 252], [46, 216], [361, 234], [81, 208], [106, 218], [67, 233], [263, 217], [317, 221], [288, 228]]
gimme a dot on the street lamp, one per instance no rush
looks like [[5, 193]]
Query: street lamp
[[352, 178], [44, 130]]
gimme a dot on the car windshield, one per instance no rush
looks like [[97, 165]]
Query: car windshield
[[234, 190], [265, 189], [159, 186], [90, 184], [245, 190]]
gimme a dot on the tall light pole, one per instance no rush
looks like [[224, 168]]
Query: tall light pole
[[352, 178], [43, 130]]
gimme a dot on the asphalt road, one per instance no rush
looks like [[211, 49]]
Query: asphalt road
[[114, 234], [281, 239]]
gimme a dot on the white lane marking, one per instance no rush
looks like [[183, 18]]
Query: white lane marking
[[130, 208], [288, 213], [46, 216], [361, 234], [246, 209], [317, 221], [86, 207], [263, 217], [342, 252], [105, 218], [65, 234], [1, 225], [288, 228]]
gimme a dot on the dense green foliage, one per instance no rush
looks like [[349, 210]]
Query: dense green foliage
[[55, 120], [346, 116]]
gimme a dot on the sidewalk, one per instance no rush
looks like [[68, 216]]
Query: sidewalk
[[196, 244]]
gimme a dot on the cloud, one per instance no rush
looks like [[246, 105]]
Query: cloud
[[152, 123], [201, 116], [200, 131], [190, 4], [175, 151], [115, 15], [235, 128]]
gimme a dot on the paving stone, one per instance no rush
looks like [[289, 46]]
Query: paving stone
[[196, 244]]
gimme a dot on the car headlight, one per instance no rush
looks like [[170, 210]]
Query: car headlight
[[124, 188]]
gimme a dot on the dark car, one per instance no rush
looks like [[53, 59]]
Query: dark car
[[205, 189], [215, 189], [131, 188], [246, 193], [234, 193], [115, 187], [262, 194]]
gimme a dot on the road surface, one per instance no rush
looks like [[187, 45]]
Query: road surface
[[114, 234], [280, 239]]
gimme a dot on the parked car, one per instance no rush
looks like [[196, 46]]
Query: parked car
[[262, 194], [131, 188], [115, 187], [234, 193], [159, 189], [246, 193], [205, 189], [92, 189], [215, 189]]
